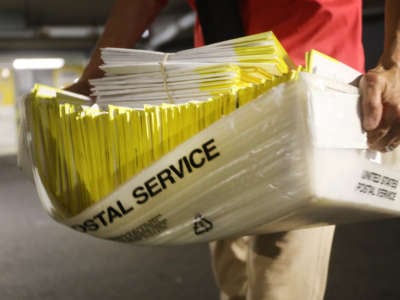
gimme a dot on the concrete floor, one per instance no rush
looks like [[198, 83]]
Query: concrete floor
[[365, 262], [40, 259]]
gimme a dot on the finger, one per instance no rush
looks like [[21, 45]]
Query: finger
[[371, 88], [387, 130], [394, 141], [375, 136], [392, 146], [390, 141]]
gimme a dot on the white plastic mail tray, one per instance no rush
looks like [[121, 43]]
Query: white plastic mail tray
[[294, 157]]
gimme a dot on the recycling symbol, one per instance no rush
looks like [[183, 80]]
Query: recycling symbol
[[201, 224]]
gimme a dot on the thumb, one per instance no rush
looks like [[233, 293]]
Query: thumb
[[371, 90]]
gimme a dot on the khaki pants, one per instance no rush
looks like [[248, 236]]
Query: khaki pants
[[281, 266]]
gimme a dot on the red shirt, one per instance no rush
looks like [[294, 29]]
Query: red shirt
[[333, 27]]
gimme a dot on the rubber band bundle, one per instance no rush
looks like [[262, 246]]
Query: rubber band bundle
[[206, 143]]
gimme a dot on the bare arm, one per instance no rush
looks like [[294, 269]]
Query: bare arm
[[380, 87], [124, 27]]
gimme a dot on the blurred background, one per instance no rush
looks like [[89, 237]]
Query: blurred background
[[49, 42]]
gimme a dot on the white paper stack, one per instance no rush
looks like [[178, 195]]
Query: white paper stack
[[137, 77]]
